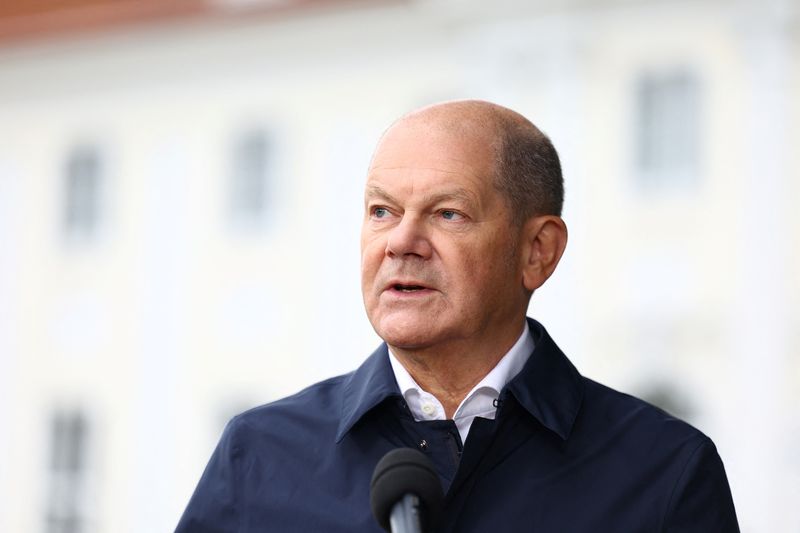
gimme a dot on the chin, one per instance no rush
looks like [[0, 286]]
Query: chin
[[408, 334]]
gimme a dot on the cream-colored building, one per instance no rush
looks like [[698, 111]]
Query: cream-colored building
[[180, 202]]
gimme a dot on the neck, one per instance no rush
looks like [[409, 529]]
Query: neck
[[450, 372]]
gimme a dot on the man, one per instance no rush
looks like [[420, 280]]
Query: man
[[461, 225]]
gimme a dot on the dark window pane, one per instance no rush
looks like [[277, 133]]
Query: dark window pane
[[68, 433], [250, 176], [668, 124], [82, 192]]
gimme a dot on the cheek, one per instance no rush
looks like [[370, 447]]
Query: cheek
[[367, 276], [466, 259], [371, 258], [485, 272]]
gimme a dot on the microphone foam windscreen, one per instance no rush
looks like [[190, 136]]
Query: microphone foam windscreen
[[405, 471]]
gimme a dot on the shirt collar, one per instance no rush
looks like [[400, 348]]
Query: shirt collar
[[548, 387], [510, 365]]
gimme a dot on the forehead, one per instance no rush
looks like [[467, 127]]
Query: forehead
[[424, 154]]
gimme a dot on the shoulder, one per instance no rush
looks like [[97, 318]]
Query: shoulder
[[641, 449], [604, 400], [315, 410], [635, 427]]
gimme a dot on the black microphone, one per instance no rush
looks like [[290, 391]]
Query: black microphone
[[405, 492]]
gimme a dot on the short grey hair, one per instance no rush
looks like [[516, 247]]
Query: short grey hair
[[527, 169]]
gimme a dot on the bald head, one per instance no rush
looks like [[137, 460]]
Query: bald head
[[525, 165]]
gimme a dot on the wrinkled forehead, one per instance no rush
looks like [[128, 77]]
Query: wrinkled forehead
[[417, 162]]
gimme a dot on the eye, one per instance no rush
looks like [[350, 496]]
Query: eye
[[380, 212], [449, 214]]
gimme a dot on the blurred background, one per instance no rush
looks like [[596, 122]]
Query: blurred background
[[181, 195]]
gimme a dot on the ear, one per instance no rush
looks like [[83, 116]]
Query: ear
[[544, 239]]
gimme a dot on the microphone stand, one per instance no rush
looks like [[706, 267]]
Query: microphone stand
[[405, 515]]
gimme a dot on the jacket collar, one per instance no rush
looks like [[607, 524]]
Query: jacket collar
[[548, 387], [364, 389]]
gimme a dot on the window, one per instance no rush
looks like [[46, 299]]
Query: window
[[83, 192], [250, 177], [69, 435], [667, 129]]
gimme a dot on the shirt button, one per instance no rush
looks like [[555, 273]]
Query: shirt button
[[429, 409]]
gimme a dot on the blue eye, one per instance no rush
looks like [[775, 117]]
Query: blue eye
[[380, 212], [447, 214]]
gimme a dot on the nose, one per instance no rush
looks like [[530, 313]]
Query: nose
[[409, 237]]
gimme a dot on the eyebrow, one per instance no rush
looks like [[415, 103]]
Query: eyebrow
[[373, 191], [458, 194]]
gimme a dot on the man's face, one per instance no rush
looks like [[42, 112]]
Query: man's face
[[439, 258]]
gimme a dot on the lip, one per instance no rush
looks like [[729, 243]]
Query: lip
[[406, 283], [391, 288]]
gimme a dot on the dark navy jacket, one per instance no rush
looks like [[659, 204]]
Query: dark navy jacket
[[565, 454]]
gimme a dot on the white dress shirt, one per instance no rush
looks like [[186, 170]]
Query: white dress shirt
[[481, 399]]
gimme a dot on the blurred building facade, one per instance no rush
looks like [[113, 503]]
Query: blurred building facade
[[180, 202]]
